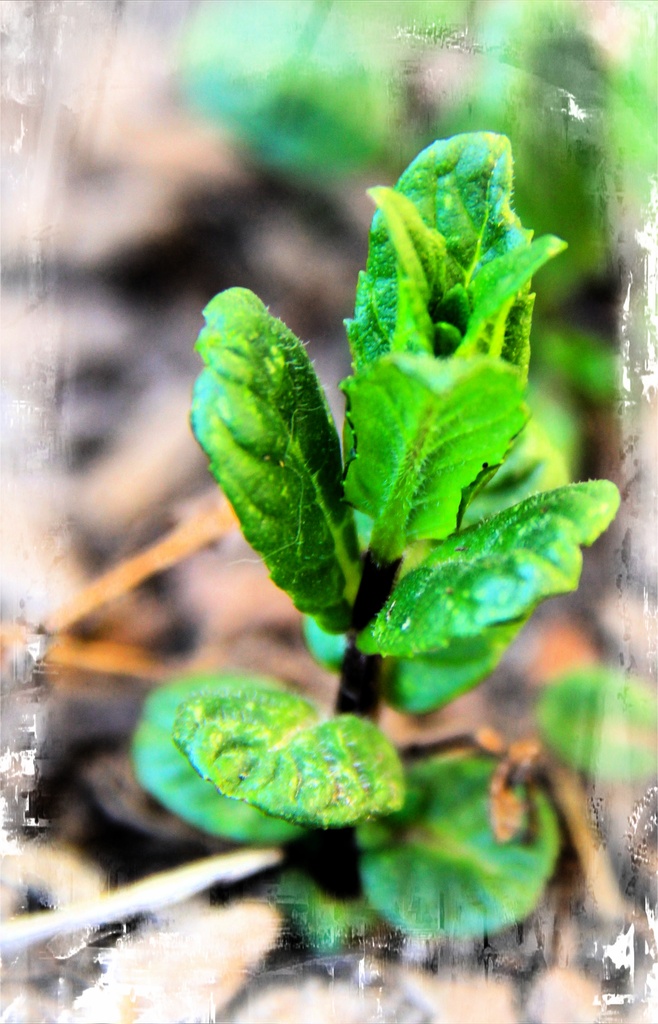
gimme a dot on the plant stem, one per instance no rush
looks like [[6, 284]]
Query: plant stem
[[359, 682], [331, 859], [358, 692]]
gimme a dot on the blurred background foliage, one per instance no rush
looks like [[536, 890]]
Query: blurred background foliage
[[317, 90]]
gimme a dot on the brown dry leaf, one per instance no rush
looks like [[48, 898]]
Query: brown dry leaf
[[562, 995], [182, 967]]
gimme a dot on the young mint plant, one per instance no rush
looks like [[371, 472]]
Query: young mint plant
[[414, 568]]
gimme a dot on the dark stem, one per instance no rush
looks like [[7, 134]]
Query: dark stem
[[335, 866], [359, 682], [375, 586], [331, 858], [465, 741]]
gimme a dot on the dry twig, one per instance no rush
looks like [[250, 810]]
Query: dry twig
[[208, 526], [160, 890], [572, 801], [107, 657]]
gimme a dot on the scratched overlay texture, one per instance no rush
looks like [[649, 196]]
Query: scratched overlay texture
[[149, 161]]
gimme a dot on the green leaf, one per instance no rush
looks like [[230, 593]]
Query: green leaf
[[269, 749], [516, 346], [601, 722], [494, 290], [421, 258], [494, 572], [327, 923], [328, 649], [462, 188], [437, 868], [535, 463], [422, 431], [429, 682], [169, 777], [261, 417]]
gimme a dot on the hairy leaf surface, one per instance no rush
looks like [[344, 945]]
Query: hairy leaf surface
[[436, 867], [168, 775], [421, 259], [423, 430], [494, 572], [269, 749], [601, 722], [261, 417], [462, 188], [494, 291], [537, 462]]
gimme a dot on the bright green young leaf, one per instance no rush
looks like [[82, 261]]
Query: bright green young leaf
[[437, 867], [327, 923], [494, 291], [261, 417], [429, 682], [421, 259], [600, 722], [493, 573], [462, 188], [269, 749], [423, 430], [516, 347], [168, 776]]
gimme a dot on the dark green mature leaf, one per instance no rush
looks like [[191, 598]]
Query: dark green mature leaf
[[168, 776], [494, 572], [462, 188], [436, 867], [423, 430], [431, 681], [269, 749], [601, 722], [261, 417], [326, 922]]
